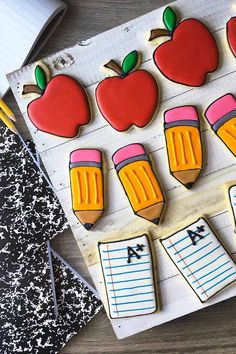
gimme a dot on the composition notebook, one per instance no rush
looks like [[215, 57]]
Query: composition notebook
[[206, 198], [22, 23]]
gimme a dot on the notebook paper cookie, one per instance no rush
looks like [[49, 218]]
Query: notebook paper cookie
[[128, 273], [201, 259], [231, 199]]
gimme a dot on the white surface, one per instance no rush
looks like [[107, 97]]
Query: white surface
[[21, 24], [207, 196]]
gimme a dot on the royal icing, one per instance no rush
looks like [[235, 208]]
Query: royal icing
[[86, 178], [62, 106], [139, 181], [201, 259], [183, 143], [189, 55], [231, 34], [128, 273], [130, 98], [221, 114], [231, 198]]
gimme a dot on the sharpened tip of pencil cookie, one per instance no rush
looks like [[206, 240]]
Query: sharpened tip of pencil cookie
[[12, 117], [88, 227], [156, 221], [189, 185]]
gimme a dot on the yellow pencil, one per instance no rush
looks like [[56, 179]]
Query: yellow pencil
[[8, 122], [7, 110]]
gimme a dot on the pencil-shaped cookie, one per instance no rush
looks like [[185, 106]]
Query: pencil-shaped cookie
[[139, 181], [221, 115], [183, 142], [86, 178]]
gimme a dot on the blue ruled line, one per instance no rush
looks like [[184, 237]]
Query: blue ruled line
[[205, 275], [134, 287], [118, 249], [116, 258], [198, 250], [131, 302], [218, 275], [119, 296], [184, 248], [125, 281], [230, 275], [133, 271], [127, 265], [205, 255], [140, 309], [206, 265]]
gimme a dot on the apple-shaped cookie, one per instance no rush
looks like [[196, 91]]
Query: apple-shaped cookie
[[231, 34], [62, 106], [130, 98], [189, 55]]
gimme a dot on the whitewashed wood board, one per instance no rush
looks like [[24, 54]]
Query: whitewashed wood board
[[207, 197]]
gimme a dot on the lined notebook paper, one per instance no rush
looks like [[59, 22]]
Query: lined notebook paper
[[201, 258], [21, 24], [128, 269], [232, 200]]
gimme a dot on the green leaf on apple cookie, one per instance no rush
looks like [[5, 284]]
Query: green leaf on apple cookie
[[169, 19], [41, 78], [129, 62]]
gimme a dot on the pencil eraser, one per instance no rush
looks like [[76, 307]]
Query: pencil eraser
[[181, 113], [220, 108]]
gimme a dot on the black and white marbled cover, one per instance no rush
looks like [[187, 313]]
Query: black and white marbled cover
[[27, 320], [30, 211]]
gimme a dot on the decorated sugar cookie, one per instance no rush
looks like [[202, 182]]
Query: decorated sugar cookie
[[221, 114], [183, 143], [231, 34], [60, 105], [86, 178], [129, 277], [190, 53], [139, 181], [131, 98], [230, 189], [201, 258]]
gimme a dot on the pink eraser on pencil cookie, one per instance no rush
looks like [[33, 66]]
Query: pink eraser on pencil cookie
[[127, 152], [86, 155], [220, 107], [181, 113]]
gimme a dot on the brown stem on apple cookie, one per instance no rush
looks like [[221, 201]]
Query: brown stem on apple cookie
[[158, 32], [31, 89], [114, 66]]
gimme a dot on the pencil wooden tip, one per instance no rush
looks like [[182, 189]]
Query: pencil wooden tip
[[152, 213], [12, 117], [188, 177], [88, 217]]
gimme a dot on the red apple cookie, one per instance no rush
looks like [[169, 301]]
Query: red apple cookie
[[62, 106], [231, 34], [189, 55], [130, 98]]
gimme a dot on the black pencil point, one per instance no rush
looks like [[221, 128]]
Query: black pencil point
[[189, 185], [88, 226], [156, 221]]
